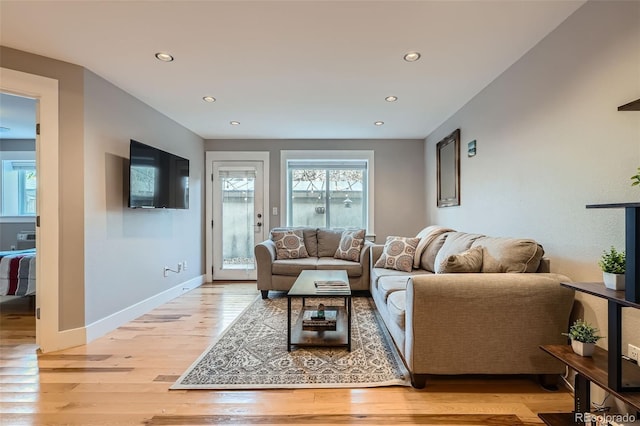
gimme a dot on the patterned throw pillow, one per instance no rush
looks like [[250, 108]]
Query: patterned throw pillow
[[398, 253], [467, 261], [350, 245], [289, 244]]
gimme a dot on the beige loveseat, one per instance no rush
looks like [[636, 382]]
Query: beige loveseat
[[321, 245], [486, 322]]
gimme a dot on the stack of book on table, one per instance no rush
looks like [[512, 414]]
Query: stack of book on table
[[331, 286], [312, 321]]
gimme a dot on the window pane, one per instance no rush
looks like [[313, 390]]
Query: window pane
[[238, 193], [347, 201], [332, 197], [18, 188], [308, 198], [28, 192]]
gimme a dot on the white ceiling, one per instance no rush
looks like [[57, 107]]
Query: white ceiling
[[290, 69]]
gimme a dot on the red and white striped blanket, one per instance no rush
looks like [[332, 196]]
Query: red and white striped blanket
[[18, 272]]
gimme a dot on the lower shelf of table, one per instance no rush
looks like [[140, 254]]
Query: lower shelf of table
[[339, 337], [557, 419]]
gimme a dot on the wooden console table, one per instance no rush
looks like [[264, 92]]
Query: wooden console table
[[606, 369]]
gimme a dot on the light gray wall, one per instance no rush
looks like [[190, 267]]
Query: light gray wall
[[550, 141], [9, 230], [71, 145], [17, 145], [123, 252], [399, 173], [127, 249]]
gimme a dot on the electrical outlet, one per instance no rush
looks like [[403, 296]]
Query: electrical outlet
[[633, 352], [166, 271], [184, 265]]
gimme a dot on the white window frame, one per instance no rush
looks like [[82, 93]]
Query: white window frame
[[329, 155]]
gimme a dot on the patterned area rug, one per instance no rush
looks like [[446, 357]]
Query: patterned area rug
[[252, 354]]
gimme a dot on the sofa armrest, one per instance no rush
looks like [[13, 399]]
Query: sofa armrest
[[376, 252], [365, 256], [265, 253], [485, 323], [545, 265]]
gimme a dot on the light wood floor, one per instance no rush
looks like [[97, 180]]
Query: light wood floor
[[123, 379]]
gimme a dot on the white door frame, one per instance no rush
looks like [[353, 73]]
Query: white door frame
[[210, 157], [45, 90]]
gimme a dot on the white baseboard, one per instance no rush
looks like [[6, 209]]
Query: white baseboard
[[103, 326]]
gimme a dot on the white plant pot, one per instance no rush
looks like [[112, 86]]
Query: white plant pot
[[613, 281], [583, 349]]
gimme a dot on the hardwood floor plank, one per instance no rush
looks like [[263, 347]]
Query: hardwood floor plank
[[123, 378], [65, 357], [339, 419], [167, 378]]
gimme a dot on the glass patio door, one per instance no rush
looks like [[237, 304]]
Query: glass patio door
[[237, 218]]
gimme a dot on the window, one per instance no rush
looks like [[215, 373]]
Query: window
[[333, 192], [18, 188]]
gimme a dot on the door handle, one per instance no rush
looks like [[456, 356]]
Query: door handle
[[259, 224]]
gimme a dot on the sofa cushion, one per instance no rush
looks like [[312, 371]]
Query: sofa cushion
[[289, 244], [387, 285], [310, 236], [427, 236], [351, 243], [293, 267], [428, 257], [467, 261], [509, 254], [456, 242], [377, 273], [398, 253], [397, 306], [328, 241], [354, 269]]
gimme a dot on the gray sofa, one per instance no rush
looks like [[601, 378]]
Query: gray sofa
[[487, 322], [321, 245]]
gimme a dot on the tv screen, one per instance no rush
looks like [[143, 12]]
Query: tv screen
[[157, 179]]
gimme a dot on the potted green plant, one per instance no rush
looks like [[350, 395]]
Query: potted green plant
[[636, 178], [613, 265], [583, 337]]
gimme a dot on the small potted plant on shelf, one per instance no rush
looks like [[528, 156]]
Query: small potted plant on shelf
[[583, 337], [636, 178], [613, 265]]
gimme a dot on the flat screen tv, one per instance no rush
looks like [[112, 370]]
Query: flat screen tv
[[157, 179]]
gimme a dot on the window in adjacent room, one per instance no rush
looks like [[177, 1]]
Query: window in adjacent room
[[331, 189], [18, 188]]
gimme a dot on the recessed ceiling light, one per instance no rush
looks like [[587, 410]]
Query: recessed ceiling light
[[411, 56], [4, 129], [164, 57], [234, 123], [391, 98], [209, 99], [379, 123]]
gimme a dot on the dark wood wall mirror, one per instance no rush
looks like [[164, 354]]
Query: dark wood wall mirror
[[448, 170]]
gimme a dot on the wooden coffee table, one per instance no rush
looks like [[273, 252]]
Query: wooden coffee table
[[304, 287]]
